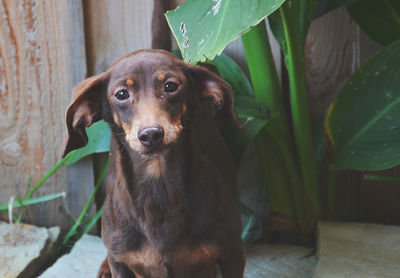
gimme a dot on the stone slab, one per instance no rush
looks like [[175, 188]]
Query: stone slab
[[358, 250], [24, 248], [84, 260], [278, 261]]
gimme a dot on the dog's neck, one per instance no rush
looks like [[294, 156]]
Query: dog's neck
[[156, 186], [160, 186]]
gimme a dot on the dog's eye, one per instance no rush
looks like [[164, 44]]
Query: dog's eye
[[171, 87], [122, 95]]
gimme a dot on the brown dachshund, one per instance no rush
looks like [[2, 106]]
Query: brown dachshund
[[170, 209]]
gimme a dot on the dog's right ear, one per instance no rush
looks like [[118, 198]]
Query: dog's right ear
[[84, 110]]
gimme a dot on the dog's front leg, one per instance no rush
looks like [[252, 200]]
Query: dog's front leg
[[232, 266], [118, 269], [104, 270]]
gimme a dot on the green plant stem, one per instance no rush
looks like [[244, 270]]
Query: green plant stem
[[46, 177], [280, 198], [93, 221], [267, 91], [19, 218], [287, 195], [79, 221], [247, 227], [300, 114], [30, 192], [263, 72], [304, 212], [34, 201], [21, 211]]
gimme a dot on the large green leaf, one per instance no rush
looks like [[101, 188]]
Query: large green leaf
[[363, 123], [379, 19], [33, 201], [204, 28], [254, 117], [233, 74], [99, 141], [230, 72]]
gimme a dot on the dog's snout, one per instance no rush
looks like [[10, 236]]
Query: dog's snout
[[151, 136]]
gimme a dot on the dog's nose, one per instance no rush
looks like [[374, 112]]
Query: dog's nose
[[151, 136]]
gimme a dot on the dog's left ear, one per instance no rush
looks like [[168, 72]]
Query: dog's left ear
[[212, 87], [84, 110]]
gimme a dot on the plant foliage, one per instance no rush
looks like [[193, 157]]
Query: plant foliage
[[379, 19], [363, 122], [204, 28]]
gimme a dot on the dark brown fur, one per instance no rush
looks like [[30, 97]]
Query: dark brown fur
[[170, 211]]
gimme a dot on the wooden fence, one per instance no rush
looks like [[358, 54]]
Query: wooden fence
[[49, 46]]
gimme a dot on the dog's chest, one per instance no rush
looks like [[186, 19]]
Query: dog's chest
[[198, 261]]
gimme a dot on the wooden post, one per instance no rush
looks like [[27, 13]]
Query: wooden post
[[42, 57], [115, 28]]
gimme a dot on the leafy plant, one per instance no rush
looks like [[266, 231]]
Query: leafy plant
[[371, 139], [362, 123], [379, 19], [99, 141], [74, 231], [199, 44]]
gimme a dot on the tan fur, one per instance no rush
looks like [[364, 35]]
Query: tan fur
[[146, 258], [150, 259], [155, 166], [161, 77], [184, 109], [202, 253], [129, 82], [116, 118], [149, 114]]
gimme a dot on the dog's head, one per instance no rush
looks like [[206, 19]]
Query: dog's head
[[145, 96]]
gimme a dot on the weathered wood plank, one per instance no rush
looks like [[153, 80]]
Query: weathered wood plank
[[115, 28], [42, 57]]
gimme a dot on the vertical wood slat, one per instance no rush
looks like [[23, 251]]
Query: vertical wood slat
[[115, 28], [42, 57]]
